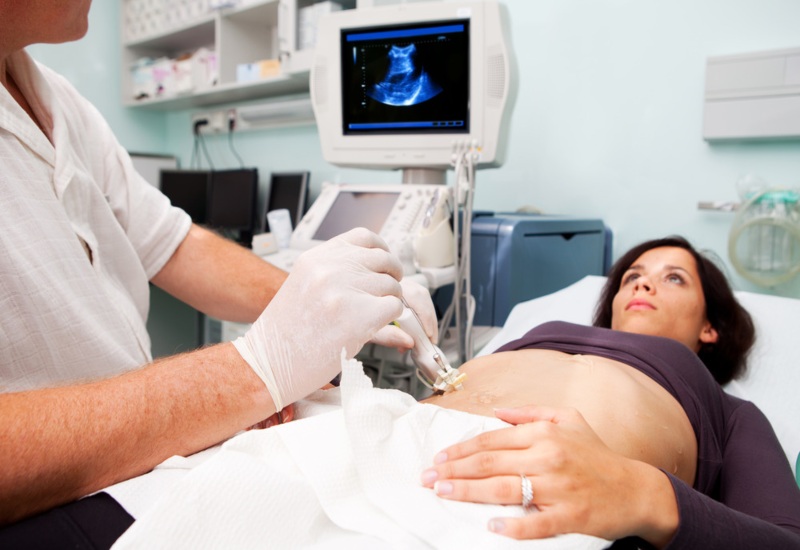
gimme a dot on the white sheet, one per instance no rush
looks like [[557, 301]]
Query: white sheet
[[773, 379], [346, 478]]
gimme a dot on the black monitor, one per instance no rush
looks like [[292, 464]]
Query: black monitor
[[188, 190], [287, 190], [232, 199]]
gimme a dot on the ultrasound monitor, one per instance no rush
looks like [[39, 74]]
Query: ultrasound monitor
[[188, 190], [287, 190], [232, 199], [404, 86]]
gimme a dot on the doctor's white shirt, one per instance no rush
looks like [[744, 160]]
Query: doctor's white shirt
[[81, 234]]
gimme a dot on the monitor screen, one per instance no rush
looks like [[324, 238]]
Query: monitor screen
[[406, 78], [188, 190], [356, 209], [406, 86], [232, 199], [288, 190]]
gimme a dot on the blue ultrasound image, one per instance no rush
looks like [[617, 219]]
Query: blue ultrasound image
[[406, 82], [410, 78]]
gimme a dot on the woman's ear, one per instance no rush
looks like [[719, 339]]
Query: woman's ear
[[708, 334]]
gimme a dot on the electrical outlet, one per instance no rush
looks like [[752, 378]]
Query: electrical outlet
[[215, 122]]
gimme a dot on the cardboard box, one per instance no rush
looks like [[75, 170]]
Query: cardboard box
[[258, 70]]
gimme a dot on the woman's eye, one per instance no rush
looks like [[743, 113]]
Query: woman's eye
[[674, 278], [629, 278]]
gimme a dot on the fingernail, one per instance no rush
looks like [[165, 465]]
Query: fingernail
[[443, 488], [497, 525], [441, 457], [429, 476]]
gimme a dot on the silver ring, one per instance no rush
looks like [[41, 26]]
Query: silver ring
[[527, 492]]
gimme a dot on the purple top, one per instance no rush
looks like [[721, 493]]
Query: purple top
[[744, 494]]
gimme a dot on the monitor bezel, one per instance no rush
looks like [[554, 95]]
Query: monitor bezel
[[491, 78]]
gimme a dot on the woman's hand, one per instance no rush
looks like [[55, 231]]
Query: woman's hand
[[281, 417], [579, 484]]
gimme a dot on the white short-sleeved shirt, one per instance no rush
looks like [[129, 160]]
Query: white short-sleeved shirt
[[81, 233]]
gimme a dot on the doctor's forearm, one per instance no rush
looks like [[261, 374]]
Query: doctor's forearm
[[63, 443], [219, 277]]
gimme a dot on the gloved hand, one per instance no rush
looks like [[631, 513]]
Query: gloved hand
[[338, 295], [419, 298]]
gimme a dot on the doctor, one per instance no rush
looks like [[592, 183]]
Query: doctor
[[82, 234]]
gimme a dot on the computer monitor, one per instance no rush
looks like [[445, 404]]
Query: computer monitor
[[188, 190], [287, 190], [232, 199], [404, 86]]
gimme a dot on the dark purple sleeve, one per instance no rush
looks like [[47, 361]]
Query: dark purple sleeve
[[759, 501]]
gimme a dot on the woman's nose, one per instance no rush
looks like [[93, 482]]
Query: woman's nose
[[643, 283]]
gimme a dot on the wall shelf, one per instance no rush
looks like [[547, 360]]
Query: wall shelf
[[253, 31], [229, 93]]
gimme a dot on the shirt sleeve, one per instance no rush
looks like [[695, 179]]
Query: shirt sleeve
[[759, 500], [154, 227]]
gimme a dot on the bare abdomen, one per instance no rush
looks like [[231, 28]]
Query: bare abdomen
[[630, 412]]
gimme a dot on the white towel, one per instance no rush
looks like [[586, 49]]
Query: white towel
[[347, 478]]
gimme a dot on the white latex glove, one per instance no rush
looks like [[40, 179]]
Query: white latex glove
[[419, 298], [338, 295]]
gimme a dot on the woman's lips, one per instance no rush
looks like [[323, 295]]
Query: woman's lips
[[639, 305]]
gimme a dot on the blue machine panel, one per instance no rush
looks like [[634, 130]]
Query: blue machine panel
[[518, 257]]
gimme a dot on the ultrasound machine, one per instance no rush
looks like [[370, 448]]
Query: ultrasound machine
[[422, 88]]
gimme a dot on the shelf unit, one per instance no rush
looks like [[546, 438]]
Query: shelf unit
[[252, 30]]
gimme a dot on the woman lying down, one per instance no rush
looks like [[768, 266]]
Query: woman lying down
[[621, 434]]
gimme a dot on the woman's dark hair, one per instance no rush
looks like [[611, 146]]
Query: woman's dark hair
[[727, 357]]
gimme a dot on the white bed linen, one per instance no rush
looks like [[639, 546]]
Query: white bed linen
[[345, 478]]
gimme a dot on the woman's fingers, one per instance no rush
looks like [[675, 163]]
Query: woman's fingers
[[502, 439], [281, 417], [535, 525], [535, 413], [506, 489], [532, 422], [503, 461]]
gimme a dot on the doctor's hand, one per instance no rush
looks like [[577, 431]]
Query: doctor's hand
[[579, 484], [338, 295], [419, 298]]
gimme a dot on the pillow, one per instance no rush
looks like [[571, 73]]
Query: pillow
[[773, 378]]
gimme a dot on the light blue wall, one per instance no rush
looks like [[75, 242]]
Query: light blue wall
[[607, 122], [93, 65]]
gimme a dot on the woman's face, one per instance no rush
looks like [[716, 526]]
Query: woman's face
[[661, 295]]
